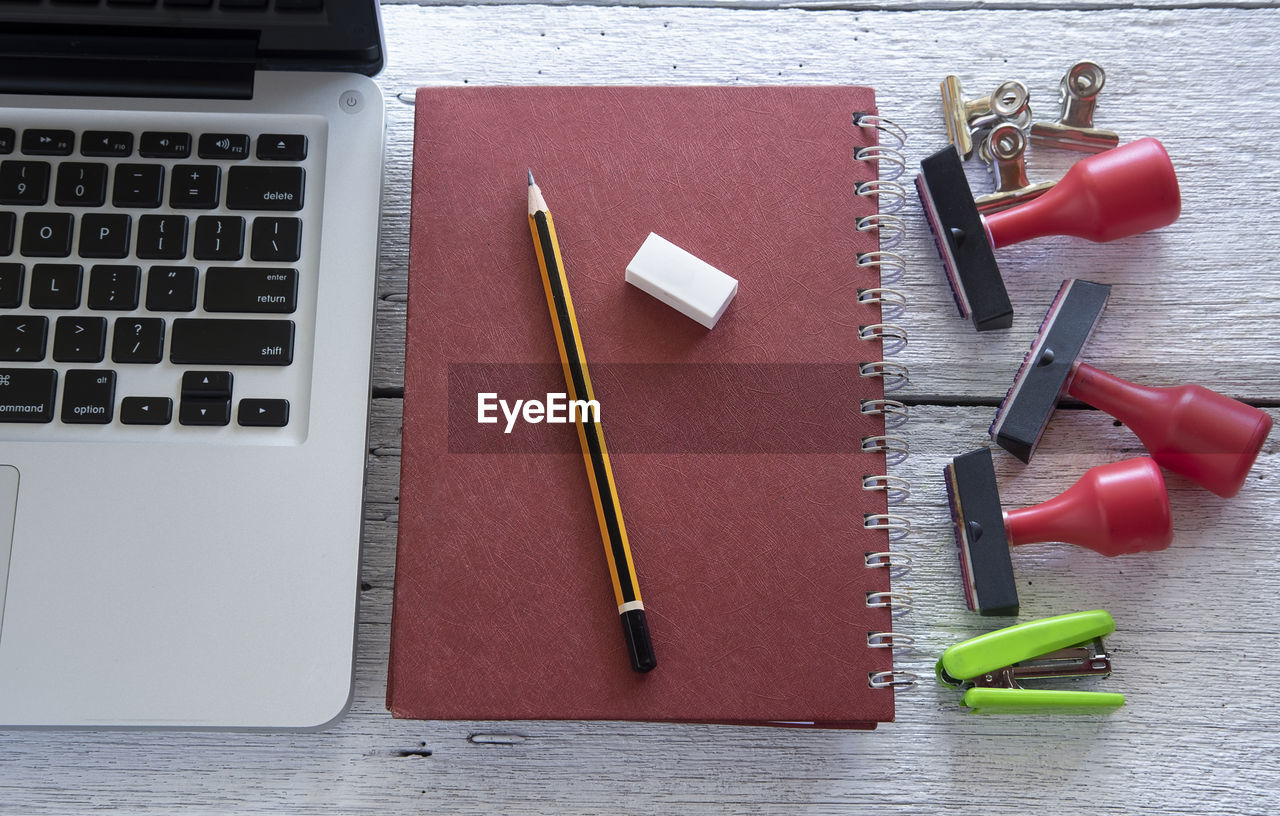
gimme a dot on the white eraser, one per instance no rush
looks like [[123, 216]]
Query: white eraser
[[681, 280]]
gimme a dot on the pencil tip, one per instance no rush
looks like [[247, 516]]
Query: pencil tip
[[530, 178]]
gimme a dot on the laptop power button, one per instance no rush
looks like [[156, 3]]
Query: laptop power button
[[351, 101]]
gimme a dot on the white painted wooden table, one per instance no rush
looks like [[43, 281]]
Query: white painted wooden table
[[1199, 625]]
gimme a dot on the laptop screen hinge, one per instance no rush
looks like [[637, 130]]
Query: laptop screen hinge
[[210, 65]]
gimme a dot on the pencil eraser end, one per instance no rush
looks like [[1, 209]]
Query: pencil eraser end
[[681, 280]]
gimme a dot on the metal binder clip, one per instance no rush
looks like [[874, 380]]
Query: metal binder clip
[[991, 666], [1009, 103], [1074, 129], [1004, 150]]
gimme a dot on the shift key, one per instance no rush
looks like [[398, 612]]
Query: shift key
[[264, 188], [200, 341]]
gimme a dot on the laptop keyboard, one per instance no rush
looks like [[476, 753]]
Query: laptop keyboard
[[155, 279]]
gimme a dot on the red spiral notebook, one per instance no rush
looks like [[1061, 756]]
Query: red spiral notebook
[[737, 451]]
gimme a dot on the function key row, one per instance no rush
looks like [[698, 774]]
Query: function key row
[[154, 144], [253, 290], [88, 398], [142, 186]]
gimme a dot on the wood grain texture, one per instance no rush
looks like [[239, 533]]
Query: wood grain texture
[[1197, 623], [1193, 653], [868, 5], [1196, 301]]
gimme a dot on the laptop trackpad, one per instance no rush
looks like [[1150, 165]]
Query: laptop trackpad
[[8, 507]]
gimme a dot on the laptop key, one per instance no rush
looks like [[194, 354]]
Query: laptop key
[[48, 142], [23, 338], [171, 288], [24, 183], [263, 413], [224, 146], [206, 385], [204, 412], [8, 229], [195, 186], [164, 145], [104, 236], [7, 137], [138, 185], [79, 339], [219, 238], [138, 340], [146, 411], [162, 237], [276, 239], [27, 394], [11, 278], [281, 146], [88, 397], [47, 234], [114, 287], [235, 289], [264, 188], [55, 286], [81, 185], [106, 143], [201, 341]]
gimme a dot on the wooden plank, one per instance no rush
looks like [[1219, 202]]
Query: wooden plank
[[862, 5], [1203, 602], [1192, 652], [1197, 623], [1196, 301]]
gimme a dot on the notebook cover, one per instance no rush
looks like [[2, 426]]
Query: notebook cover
[[736, 450]]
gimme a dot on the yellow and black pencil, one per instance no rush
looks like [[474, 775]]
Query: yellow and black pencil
[[626, 589]]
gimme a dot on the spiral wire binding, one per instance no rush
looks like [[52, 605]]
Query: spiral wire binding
[[891, 195], [890, 640], [891, 261], [897, 563], [898, 678], [892, 302], [897, 488], [894, 448], [894, 412], [897, 526], [898, 603], [895, 375], [891, 230]]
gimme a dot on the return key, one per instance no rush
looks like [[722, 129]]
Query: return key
[[240, 289]]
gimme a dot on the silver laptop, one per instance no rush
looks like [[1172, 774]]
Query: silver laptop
[[189, 194]]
